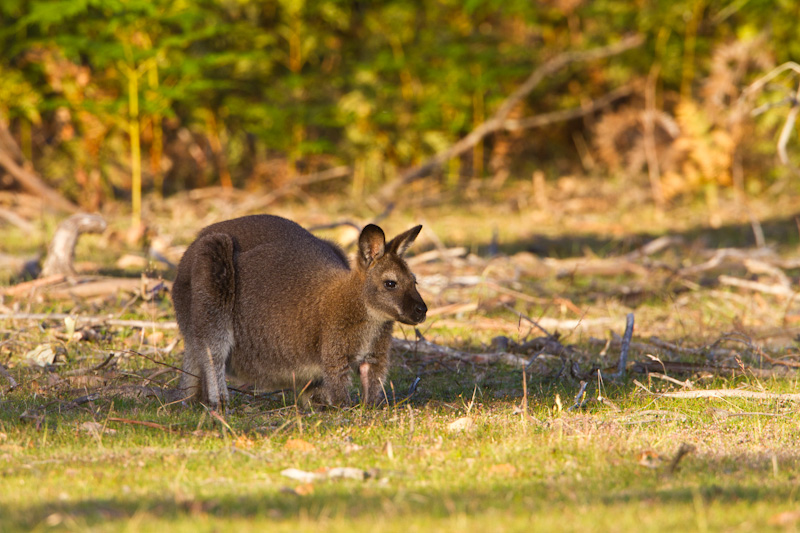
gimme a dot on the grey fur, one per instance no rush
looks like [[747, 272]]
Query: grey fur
[[266, 301]]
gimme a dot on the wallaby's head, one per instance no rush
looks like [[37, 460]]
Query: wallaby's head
[[391, 289]]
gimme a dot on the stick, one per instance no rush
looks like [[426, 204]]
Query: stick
[[778, 290], [497, 121], [682, 452], [27, 286], [729, 393], [624, 349], [141, 423], [61, 251], [568, 114], [92, 320], [11, 381], [579, 397], [529, 319]]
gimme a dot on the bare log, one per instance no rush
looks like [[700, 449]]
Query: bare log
[[61, 251], [498, 120]]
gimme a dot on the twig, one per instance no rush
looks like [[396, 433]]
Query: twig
[[81, 372], [686, 384], [778, 290], [624, 349], [28, 286], [11, 381], [528, 319], [141, 423], [684, 450], [579, 398], [729, 393], [91, 320], [545, 119]]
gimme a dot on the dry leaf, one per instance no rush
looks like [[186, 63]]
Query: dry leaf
[[786, 518], [299, 445], [155, 338], [304, 490], [649, 459], [243, 442], [42, 355], [465, 423], [503, 469]]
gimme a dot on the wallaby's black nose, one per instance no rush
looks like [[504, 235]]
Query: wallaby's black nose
[[420, 309]]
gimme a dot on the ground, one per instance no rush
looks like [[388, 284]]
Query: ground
[[90, 439]]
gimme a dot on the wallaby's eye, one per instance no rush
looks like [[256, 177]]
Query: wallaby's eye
[[390, 284]]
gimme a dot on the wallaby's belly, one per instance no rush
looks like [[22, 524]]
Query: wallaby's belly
[[279, 318]]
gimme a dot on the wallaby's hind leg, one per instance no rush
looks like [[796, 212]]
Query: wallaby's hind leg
[[190, 383], [213, 290]]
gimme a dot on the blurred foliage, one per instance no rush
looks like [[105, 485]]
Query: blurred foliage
[[251, 93]]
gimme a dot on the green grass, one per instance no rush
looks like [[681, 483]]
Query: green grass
[[596, 469]]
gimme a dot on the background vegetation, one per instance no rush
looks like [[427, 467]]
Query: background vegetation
[[178, 94]]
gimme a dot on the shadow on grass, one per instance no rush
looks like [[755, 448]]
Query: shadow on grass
[[354, 501]]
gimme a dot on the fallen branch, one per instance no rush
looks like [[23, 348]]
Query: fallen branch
[[61, 251], [777, 290], [28, 286], [563, 115], [684, 450], [498, 119], [11, 381], [729, 393], [92, 320], [29, 180], [141, 423]]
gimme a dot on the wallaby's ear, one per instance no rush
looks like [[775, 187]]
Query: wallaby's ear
[[400, 244], [371, 245]]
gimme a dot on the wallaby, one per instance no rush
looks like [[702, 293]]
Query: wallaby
[[264, 300]]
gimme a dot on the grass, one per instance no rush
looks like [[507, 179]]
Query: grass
[[68, 466], [85, 450]]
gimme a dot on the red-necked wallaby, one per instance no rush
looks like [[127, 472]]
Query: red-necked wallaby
[[264, 300]]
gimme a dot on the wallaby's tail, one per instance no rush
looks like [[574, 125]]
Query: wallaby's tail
[[213, 290]]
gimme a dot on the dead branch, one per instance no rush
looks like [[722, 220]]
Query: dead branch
[[580, 398], [141, 423], [684, 450], [685, 384], [729, 393], [28, 286], [91, 321], [27, 179], [61, 251], [778, 290], [498, 119], [624, 348], [11, 381], [569, 114]]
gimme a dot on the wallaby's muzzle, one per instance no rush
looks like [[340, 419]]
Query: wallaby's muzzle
[[415, 308]]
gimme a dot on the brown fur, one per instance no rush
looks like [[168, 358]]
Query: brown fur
[[265, 300]]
